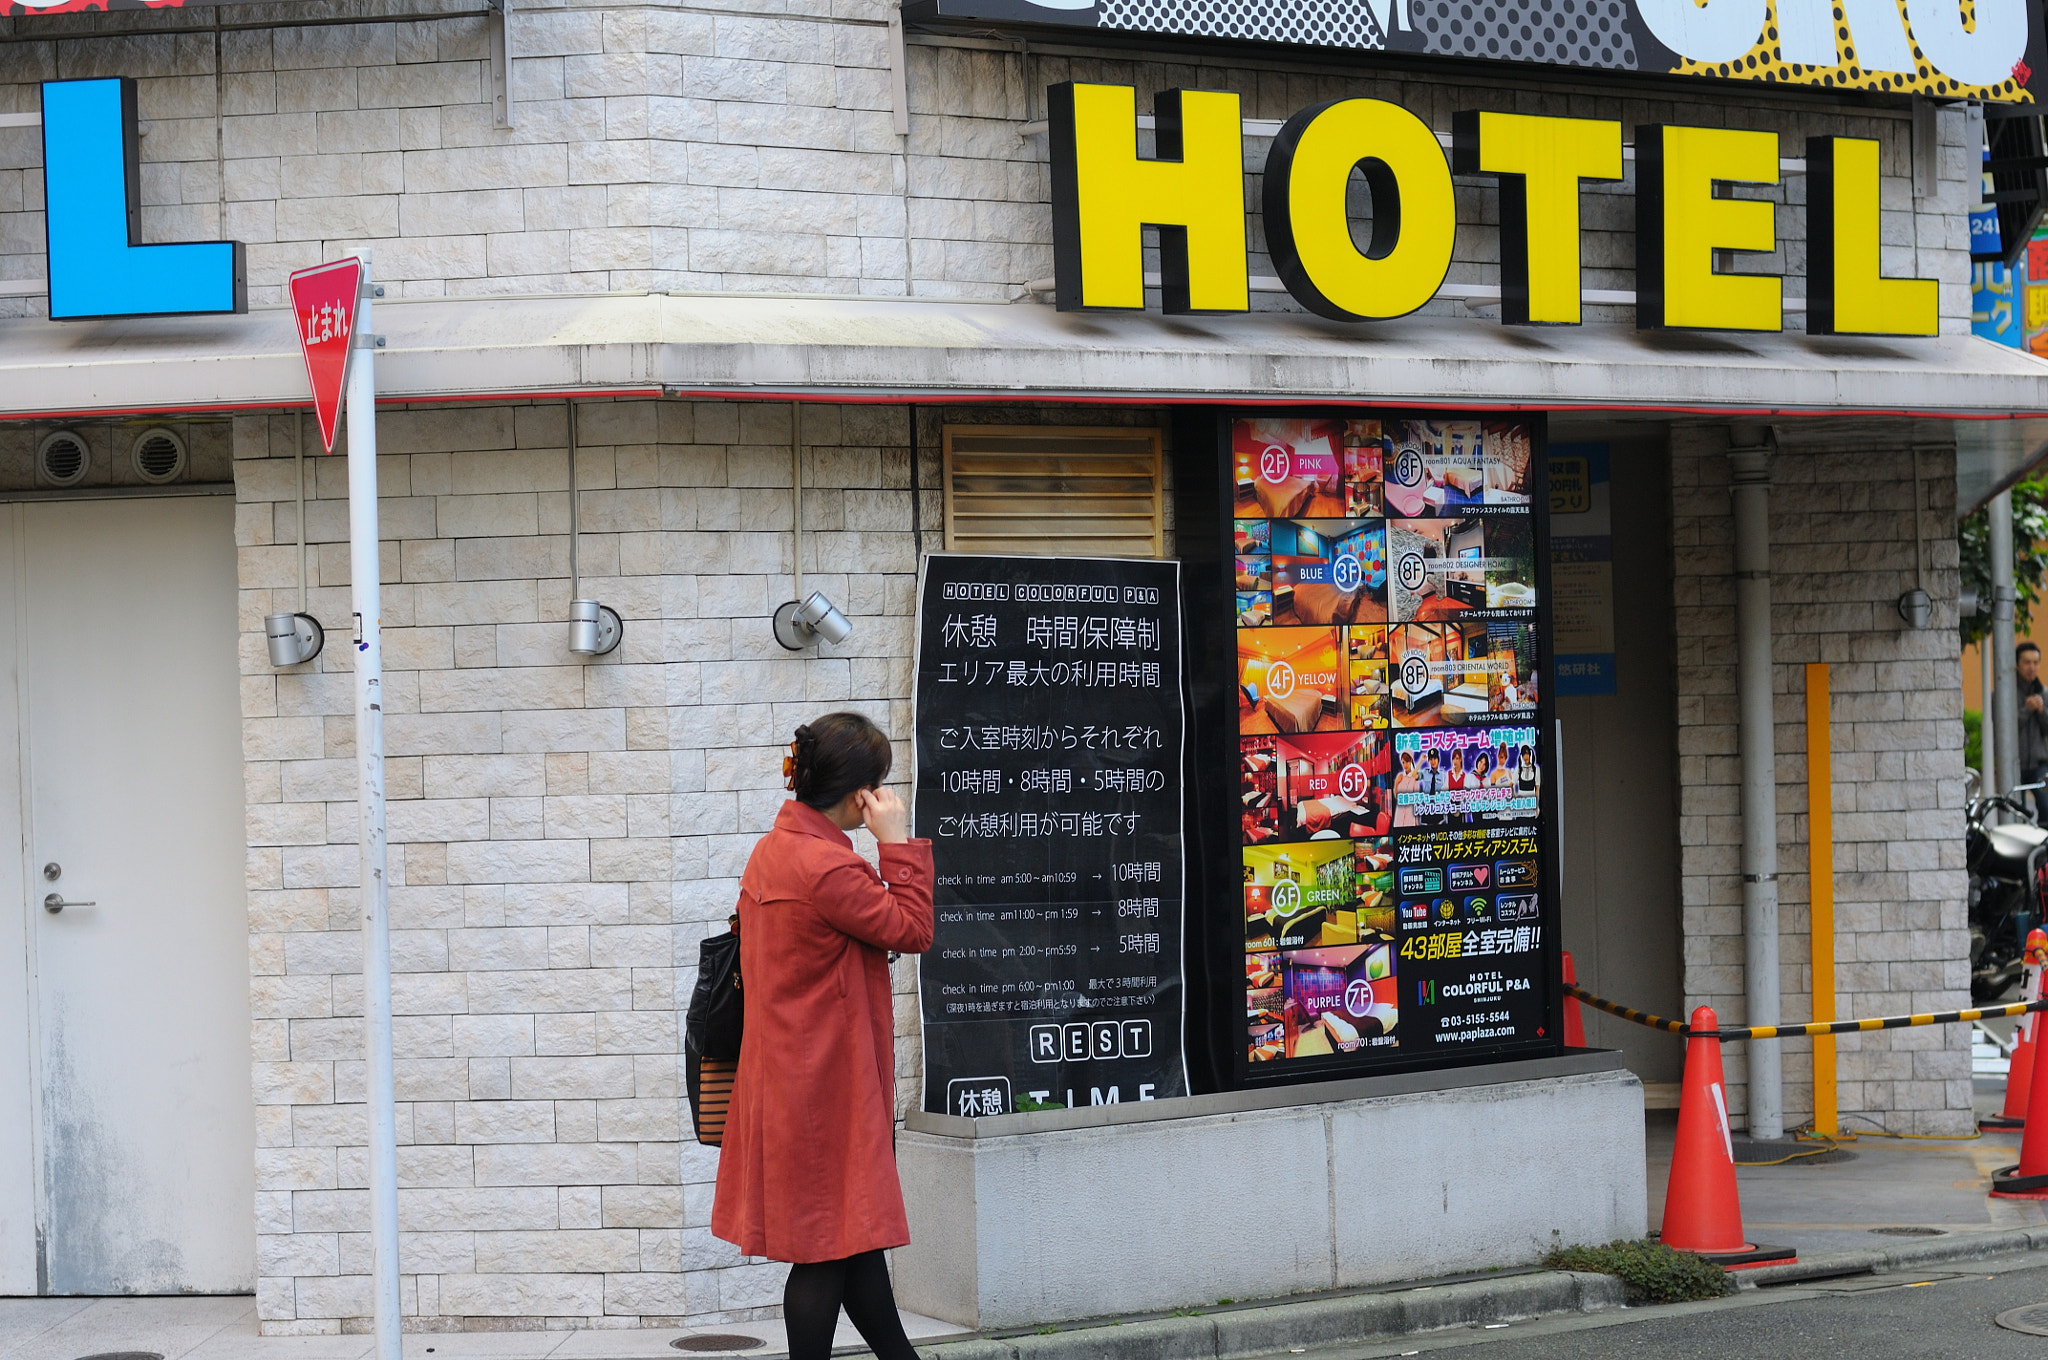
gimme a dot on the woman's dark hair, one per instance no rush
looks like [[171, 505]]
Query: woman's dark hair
[[835, 755]]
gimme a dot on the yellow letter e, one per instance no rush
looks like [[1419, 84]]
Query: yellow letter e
[[1104, 195], [1845, 292], [1680, 223]]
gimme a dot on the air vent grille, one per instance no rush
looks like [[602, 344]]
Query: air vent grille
[[159, 457], [63, 459], [1081, 492]]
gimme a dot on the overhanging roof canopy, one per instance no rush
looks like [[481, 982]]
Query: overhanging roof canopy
[[469, 349]]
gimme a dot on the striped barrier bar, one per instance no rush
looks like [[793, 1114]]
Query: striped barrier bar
[[1796, 1031]]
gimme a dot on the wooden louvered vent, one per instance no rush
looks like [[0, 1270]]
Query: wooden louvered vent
[[1061, 491]]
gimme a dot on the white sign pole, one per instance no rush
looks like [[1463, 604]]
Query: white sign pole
[[369, 663]]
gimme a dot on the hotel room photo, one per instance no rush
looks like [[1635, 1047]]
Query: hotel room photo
[[1290, 680], [1508, 452], [1365, 668], [1437, 691], [1311, 580], [1501, 678], [1321, 786], [1428, 585], [1308, 1003], [1451, 466], [1286, 466], [1317, 894]]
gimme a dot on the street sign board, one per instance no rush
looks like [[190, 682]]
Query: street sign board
[[324, 308]]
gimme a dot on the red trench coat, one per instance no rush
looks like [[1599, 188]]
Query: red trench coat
[[808, 1167]]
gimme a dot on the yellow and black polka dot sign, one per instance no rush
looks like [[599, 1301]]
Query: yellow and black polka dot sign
[[1901, 66], [1953, 49]]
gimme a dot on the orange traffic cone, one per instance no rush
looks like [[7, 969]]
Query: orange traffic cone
[[2029, 1178], [2019, 1076], [1702, 1209], [1574, 1023]]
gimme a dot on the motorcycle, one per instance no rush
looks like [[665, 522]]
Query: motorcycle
[[2008, 863]]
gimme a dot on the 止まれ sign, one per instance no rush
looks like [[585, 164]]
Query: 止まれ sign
[[1992, 50], [1049, 729], [1105, 194]]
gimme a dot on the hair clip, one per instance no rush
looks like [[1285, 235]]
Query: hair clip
[[789, 768]]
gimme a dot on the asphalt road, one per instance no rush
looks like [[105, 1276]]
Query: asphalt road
[[1945, 1314]]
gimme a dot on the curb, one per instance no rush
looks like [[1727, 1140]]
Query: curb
[[1956, 1247], [1310, 1322]]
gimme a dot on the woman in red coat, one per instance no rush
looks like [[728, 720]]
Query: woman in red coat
[[807, 1173]]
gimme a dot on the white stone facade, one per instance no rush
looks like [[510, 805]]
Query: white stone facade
[[563, 833], [1860, 513]]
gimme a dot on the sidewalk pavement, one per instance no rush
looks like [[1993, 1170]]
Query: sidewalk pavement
[[1886, 1191], [1890, 1204], [224, 1328]]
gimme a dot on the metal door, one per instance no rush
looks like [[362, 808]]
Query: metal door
[[119, 621]]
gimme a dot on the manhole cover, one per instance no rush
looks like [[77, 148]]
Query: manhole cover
[[1910, 1232], [710, 1341], [2032, 1319]]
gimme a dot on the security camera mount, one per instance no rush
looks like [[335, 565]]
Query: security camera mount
[[594, 629], [798, 624], [790, 630]]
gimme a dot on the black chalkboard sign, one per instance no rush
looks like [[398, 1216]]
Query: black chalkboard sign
[[1049, 725]]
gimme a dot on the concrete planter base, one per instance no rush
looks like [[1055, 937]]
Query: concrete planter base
[[1044, 1218]]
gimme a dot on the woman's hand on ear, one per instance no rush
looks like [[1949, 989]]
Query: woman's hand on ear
[[885, 815]]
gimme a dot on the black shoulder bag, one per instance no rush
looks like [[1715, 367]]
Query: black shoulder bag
[[711, 1033]]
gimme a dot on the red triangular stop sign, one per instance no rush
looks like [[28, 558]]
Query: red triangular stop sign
[[324, 306]]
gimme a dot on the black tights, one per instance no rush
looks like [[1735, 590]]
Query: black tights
[[812, 1298]]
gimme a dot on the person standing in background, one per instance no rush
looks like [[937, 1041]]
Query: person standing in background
[[2033, 720]]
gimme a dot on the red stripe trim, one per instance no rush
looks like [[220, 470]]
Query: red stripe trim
[[954, 398]]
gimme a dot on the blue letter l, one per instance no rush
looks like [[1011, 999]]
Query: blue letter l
[[98, 264]]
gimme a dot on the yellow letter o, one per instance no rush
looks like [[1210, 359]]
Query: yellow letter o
[[1308, 228]]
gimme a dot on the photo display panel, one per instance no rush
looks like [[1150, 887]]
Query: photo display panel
[[1389, 784], [1049, 728]]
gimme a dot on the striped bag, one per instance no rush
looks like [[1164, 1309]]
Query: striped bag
[[711, 1034]]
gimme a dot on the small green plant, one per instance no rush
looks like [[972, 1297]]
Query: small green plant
[[1653, 1272], [1027, 1103], [1225, 1303], [1047, 1330]]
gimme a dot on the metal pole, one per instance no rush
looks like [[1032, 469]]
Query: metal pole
[[299, 471], [1987, 745], [369, 659], [796, 500], [1752, 502], [2005, 706], [575, 518]]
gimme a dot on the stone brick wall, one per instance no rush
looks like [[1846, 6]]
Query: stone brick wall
[[1848, 516], [562, 834], [671, 147]]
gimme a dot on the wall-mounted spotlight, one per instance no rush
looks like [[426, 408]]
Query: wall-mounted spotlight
[[798, 625], [294, 639], [1916, 607], [594, 629]]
